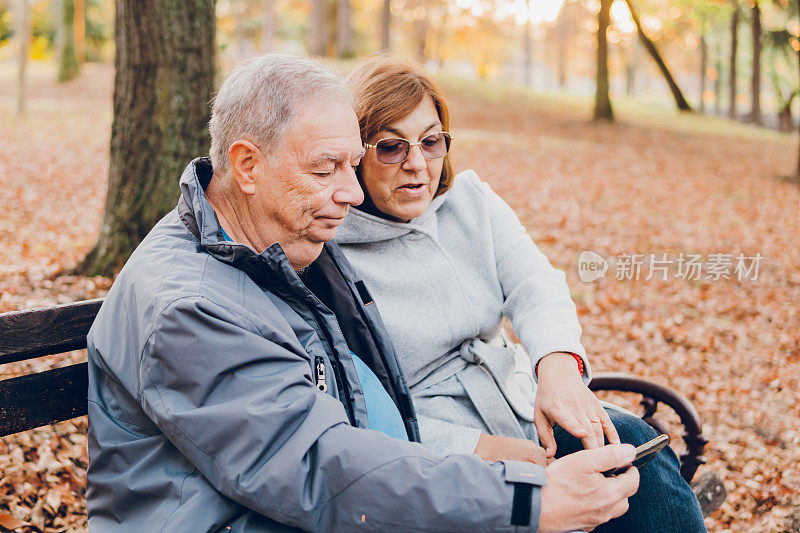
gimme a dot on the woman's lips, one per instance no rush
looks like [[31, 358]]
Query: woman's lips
[[414, 190]]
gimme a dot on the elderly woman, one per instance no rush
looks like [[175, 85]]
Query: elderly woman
[[445, 259]]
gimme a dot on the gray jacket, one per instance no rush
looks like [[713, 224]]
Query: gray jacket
[[205, 413]]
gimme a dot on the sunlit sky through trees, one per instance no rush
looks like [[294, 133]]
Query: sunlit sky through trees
[[544, 11]]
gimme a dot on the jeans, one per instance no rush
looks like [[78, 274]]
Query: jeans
[[664, 501]]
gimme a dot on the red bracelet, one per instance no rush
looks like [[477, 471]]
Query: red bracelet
[[577, 357]]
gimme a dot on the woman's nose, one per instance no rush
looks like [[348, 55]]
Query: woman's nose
[[415, 161]]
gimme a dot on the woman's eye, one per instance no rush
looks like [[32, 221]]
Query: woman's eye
[[323, 174], [390, 146], [433, 140]]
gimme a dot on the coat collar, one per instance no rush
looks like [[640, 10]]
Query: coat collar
[[271, 268], [360, 227]]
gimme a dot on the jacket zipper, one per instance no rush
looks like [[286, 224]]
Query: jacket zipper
[[319, 374]]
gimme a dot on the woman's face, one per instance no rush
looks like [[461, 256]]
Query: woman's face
[[404, 190]]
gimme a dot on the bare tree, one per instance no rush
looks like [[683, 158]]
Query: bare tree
[[565, 25], [344, 30], [703, 66], [422, 27], [718, 80], [650, 46], [732, 69], [23, 31], [602, 102], [386, 24], [755, 80], [67, 61], [630, 56], [318, 29], [267, 25], [79, 22], [164, 78], [526, 45]]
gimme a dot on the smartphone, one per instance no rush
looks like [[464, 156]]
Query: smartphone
[[644, 454]]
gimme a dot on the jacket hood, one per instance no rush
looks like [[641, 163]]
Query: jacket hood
[[361, 228]]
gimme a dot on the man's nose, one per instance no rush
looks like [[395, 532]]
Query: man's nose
[[348, 190], [415, 162]]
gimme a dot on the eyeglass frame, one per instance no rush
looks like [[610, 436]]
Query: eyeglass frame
[[411, 145]]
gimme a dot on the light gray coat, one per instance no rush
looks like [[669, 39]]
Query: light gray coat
[[443, 282]]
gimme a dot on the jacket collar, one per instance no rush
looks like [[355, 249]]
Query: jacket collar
[[361, 227], [270, 269]]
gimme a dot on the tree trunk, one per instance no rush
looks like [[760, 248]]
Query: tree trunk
[[526, 46], [785, 115], [703, 69], [80, 31], [732, 69], [441, 25], [23, 17], [422, 27], [631, 66], [344, 30], [602, 101], [755, 85], [267, 25], [563, 29], [680, 101], [67, 62], [718, 81], [386, 24], [163, 83], [318, 28]]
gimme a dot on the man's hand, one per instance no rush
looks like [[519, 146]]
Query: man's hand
[[563, 399], [577, 494], [493, 448]]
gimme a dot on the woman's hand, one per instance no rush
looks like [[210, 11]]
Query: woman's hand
[[563, 399], [494, 448]]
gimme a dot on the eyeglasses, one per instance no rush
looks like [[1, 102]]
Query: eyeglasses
[[395, 150]]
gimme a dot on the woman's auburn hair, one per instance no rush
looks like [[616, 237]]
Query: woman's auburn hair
[[387, 89]]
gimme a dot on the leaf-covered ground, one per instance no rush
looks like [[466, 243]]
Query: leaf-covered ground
[[653, 183]]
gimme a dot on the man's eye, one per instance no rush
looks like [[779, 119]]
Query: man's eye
[[323, 174]]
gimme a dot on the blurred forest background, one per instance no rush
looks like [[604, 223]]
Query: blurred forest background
[[618, 126], [729, 57]]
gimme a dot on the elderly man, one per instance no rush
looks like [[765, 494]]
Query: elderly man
[[240, 378]]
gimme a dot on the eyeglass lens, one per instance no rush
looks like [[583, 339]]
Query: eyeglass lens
[[391, 151]]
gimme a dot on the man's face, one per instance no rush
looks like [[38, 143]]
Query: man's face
[[308, 186]]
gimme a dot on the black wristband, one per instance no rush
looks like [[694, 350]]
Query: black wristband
[[521, 508]]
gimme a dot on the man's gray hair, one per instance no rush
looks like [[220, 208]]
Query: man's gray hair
[[261, 96]]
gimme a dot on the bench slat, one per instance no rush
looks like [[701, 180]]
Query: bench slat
[[27, 402], [37, 332]]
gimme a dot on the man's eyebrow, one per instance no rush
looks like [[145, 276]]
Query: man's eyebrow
[[327, 156], [335, 157]]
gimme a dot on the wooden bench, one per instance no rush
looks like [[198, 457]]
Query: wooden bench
[[34, 400]]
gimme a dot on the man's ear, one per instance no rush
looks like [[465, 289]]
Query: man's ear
[[246, 159]]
